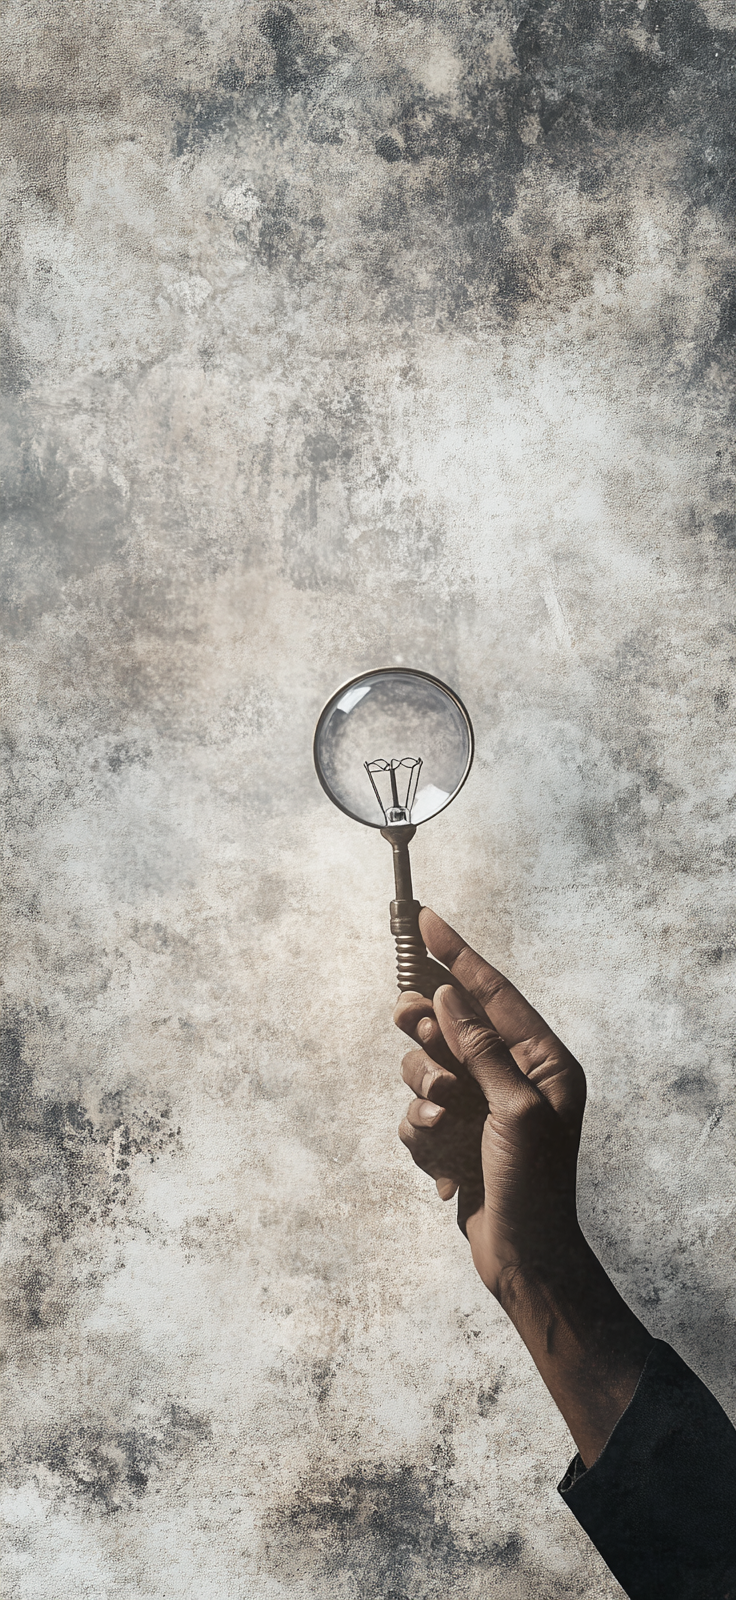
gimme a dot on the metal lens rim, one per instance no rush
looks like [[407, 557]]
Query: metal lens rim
[[393, 672]]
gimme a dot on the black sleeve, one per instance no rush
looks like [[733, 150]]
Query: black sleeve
[[660, 1502]]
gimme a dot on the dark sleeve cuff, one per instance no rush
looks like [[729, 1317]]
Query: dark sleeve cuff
[[660, 1502]]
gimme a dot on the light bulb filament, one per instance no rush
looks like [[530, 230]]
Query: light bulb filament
[[395, 785]]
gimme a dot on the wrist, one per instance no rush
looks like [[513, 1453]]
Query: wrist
[[515, 1270], [561, 1267]]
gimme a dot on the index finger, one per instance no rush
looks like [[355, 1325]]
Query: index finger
[[512, 1016]]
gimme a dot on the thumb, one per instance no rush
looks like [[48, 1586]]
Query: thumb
[[474, 1041]]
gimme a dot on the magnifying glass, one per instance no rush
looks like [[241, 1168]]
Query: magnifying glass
[[393, 748]]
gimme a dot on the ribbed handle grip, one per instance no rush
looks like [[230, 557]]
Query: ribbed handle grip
[[411, 951]]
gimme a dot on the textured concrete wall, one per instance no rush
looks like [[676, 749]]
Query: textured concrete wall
[[342, 335]]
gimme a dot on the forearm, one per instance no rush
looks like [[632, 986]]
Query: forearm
[[587, 1344]]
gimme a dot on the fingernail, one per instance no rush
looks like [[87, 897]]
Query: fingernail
[[460, 1009], [429, 1113], [425, 1028]]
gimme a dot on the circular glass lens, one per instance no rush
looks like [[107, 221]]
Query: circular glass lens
[[393, 746]]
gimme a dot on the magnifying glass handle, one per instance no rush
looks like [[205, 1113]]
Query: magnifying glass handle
[[411, 951]]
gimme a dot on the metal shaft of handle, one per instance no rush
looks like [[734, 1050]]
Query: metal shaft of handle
[[411, 951]]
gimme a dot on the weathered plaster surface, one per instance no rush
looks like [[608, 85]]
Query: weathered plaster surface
[[340, 335]]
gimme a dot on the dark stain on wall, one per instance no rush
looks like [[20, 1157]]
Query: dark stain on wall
[[389, 1528], [112, 1468], [571, 97], [68, 1174]]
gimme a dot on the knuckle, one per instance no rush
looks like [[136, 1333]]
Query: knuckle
[[491, 984], [539, 1050], [471, 1033], [477, 1038], [531, 1110], [575, 1082]]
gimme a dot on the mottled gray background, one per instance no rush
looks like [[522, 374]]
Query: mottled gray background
[[343, 335]]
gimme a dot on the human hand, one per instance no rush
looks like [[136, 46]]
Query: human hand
[[498, 1112], [497, 1117]]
